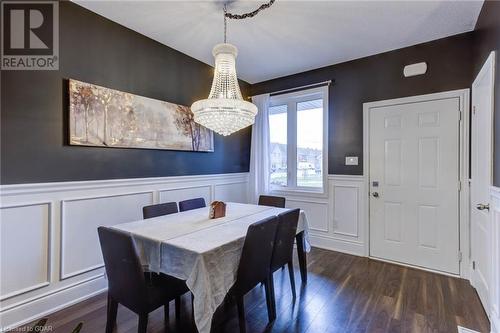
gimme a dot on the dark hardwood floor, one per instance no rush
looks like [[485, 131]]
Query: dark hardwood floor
[[344, 293]]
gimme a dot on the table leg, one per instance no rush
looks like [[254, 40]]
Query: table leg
[[301, 252]]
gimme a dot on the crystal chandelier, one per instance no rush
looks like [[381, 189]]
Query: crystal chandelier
[[225, 111]]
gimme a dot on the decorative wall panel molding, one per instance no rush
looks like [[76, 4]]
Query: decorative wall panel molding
[[336, 220], [316, 211], [25, 231], [73, 210], [235, 192], [180, 194], [346, 210], [52, 230], [348, 216], [80, 250]]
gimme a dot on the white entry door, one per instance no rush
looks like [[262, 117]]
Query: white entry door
[[414, 154], [481, 178]]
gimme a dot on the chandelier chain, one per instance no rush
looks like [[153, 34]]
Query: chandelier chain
[[225, 23], [247, 15]]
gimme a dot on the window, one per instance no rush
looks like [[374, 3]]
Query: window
[[297, 131], [278, 119]]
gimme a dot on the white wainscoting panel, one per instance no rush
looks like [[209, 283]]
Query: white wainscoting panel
[[50, 254], [494, 311], [345, 210], [235, 192], [337, 219], [180, 194], [316, 212], [79, 221], [347, 214], [25, 242]]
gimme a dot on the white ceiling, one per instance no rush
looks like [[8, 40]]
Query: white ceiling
[[292, 36]]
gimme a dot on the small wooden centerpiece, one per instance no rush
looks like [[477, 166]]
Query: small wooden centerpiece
[[217, 209]]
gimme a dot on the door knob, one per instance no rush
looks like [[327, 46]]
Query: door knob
[[483, 207], [375, 194]]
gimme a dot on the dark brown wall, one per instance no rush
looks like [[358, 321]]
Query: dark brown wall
[[487, 39], [96, 50], [375, 78]]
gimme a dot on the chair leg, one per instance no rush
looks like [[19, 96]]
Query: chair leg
[[292, 279], [166, 313], [273, 292], [143, 323], [112, 310], [302, 256], [241, 314], [271, 305], [178, 308], [192, 305]]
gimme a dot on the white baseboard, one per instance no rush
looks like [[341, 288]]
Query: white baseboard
[[45, 306], [336, 244]]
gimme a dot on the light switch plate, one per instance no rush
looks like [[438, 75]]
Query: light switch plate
[[351, 160]]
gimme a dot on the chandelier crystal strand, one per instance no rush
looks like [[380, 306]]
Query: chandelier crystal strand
[[225, 111]]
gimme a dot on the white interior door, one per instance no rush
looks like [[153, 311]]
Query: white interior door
[[414, 183], [481, 178]]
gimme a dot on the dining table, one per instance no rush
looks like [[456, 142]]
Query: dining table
[[205, 252]]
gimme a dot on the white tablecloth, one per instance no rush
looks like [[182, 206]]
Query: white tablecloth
[[204, 252]]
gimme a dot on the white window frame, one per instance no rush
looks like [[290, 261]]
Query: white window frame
[[291, 100]]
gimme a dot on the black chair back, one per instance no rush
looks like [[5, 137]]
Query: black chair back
[[159, 210], [269, 200], [126, 281], [256, 255], [191, 204], [285, 237]]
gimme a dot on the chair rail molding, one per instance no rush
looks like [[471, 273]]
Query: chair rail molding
[[52, 230]]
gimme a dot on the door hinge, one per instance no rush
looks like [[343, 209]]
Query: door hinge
[[460, 116], [459, 186], [474, 265], [459, 256], [474, 109]]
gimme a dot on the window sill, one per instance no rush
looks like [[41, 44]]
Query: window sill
[[300, 192]]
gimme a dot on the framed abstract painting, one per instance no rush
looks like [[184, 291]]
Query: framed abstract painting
[[105, 117]]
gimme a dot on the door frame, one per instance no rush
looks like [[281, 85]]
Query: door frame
[[464, 224]]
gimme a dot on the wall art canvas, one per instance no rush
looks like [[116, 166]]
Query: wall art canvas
[[106, 117]]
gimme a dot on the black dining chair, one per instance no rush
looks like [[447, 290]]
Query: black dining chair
[[191, 204], [273, 201], [159, 210], [127, 283], [283, 245], [254, 266]]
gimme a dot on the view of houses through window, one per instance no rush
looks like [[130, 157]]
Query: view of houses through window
[[310, 143], [296, 143], [278, 149]]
